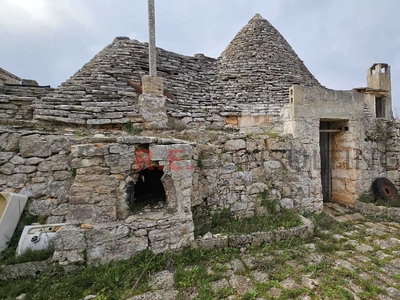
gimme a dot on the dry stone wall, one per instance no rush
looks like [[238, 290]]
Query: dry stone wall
[[235, 169], [37, 165], [16, 101], [84, 180], [389, 134]]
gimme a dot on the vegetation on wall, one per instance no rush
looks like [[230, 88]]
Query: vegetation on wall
[[224, 222]]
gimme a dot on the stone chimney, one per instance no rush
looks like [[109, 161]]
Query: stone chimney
[[152, 103], [379, 94]]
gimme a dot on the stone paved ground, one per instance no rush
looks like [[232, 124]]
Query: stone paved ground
[[350, 257]]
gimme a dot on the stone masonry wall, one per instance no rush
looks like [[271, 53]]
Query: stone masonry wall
[[391, 137], [363, 149], [16, 101], [233, 169], [83, 180], [36, 164]]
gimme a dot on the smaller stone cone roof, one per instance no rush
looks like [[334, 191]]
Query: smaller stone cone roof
[[261, 63]]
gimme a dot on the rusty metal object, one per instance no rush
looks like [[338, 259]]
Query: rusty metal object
[[137, 86], [384, 189], [168, 94]]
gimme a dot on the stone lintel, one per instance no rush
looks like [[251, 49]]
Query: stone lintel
[[152, 85]]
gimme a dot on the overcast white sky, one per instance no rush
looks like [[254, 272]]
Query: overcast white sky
[[49, 40]]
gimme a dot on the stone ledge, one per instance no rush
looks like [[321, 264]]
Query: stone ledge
[[256, 238], [371, 209]]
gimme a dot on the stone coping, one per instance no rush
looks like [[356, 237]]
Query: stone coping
[[219, 241], [372, 209]]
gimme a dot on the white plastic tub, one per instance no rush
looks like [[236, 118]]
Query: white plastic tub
[[11, 207], [37, 237]]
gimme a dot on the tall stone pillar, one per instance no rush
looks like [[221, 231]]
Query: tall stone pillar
[[152, 100], [152, 103], [152, 39]]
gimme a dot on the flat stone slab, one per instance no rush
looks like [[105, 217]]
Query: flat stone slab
[[349, 218]]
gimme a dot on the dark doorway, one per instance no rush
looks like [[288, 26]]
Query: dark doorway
[[148, 193], [325, 153], [379, 107]]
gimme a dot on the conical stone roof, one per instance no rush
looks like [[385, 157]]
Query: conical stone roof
[[259, 66], [252, 76], [98, 93]]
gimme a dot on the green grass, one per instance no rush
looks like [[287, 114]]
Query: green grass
[[250, 295], [130, 128], [223, 222], [125, 278], [31, 255], [368, 198], [111, 281]]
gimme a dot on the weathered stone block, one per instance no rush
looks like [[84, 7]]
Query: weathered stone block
[[70, 237], [86, 162], [286, 203], [25, 169], [88, 150], [275, 144], [35, 145], [55, 163], [62, 175], [130, 140], [233, 121], [34, 190], [152, 85], [214, 243], [7, 168], [119, 163], [234, 145], [59, 190], [121, 250], [228, 168], [93, 170], [98, 121], [10, 142], [152, 109], [121, 149], [61, 210], [34, 160], [158, 152], [17, 180], [6, 156], [17, 160], [87, 213]]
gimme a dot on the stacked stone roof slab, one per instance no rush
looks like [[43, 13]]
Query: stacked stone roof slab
[[252, 76], [7, 77]]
